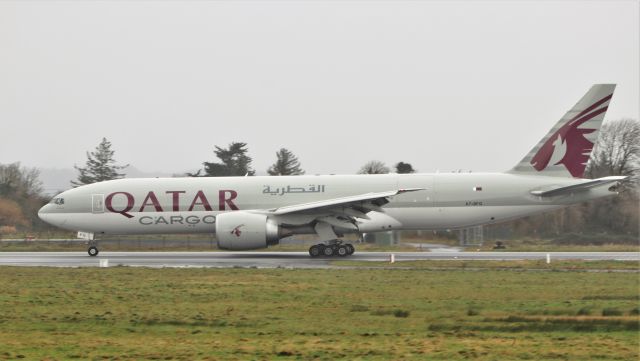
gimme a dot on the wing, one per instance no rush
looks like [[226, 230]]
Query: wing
[[338, 212], [363, 203]]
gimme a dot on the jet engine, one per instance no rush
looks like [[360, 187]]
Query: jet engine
[[243, 231]]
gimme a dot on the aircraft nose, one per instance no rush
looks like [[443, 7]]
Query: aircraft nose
[[50, 214], [47, 215], [44, 212]]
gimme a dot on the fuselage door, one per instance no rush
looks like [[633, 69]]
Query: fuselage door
[[97, 203]]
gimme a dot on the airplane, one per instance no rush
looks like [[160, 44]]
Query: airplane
[[248, 213]]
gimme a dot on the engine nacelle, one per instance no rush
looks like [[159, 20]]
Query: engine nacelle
[[243, 230]]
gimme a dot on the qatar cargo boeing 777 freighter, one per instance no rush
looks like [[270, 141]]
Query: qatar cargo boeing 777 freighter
[[256, 212]]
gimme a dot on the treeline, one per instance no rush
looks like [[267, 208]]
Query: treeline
[[20, 198], [235, 161], [616, 152], [606, 220]]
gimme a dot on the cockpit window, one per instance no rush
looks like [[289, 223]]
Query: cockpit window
[[58, 201]]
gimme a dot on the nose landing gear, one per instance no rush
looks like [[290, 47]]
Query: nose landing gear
[[93, 249], [333, 248]]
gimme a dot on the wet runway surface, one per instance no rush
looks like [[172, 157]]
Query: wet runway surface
[[274, 259]]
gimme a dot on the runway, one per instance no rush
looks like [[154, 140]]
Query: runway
[[274, 259]]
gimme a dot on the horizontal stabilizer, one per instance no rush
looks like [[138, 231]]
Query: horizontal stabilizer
[[574, 188]]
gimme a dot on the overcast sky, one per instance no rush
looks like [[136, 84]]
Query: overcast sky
[[441, 85]]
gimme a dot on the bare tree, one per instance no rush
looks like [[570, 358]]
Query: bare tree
[[374, 167], [11, 213], [20, 197], [617, 151], [19, 182], [286, 164]]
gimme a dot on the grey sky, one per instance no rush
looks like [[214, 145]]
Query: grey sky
[[442, 85]]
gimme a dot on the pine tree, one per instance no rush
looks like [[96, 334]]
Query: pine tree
[[404, 168], [286, 164], [100, 166], [235, 162]]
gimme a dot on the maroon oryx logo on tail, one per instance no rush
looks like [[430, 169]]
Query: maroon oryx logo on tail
[[572, 138], [236, 231]]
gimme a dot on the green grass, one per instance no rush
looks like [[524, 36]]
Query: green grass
[[361, 314]]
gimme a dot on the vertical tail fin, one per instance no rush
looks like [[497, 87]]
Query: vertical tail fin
[[565, 150]]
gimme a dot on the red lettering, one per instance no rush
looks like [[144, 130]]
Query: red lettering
[[176, 199], [108, 202], [203, 202], [154, 202], [223, 201]]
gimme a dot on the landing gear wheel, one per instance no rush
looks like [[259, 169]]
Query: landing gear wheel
[[314, 251], [334, 247], [350, 249], [93, 251]]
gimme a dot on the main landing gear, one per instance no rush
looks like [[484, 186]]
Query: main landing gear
[[333, 248], [93, 249]]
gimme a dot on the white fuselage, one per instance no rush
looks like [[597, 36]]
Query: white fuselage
[[190, 205]]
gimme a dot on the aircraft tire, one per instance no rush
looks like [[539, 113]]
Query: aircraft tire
[[93, 251], [342, 251], [350, 248], [315, 251], [328, 251]]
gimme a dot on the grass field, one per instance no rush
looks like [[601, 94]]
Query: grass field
[[361, 314]]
